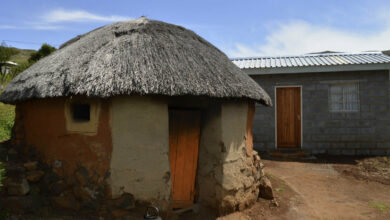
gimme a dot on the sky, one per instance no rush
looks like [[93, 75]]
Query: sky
[[240, 28]]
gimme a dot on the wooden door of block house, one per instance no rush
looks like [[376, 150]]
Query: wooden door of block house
[[184, 133], [288, 117]]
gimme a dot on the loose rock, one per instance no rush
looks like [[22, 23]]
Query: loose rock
[[66, 203], [31, 165], [57, 188], [18, 188], [81, 176], [126, 201], [265, 188], [274, 203], [34, 176], [81, 194]]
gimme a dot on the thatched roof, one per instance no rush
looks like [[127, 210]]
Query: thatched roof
[[138, 56]]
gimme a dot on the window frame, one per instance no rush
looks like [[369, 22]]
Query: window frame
[[82, 127], [342, 85]]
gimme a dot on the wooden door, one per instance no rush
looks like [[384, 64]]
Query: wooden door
[[288, 108], [184, 132]]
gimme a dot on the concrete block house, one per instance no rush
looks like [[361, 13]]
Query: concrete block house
[[327, 103], [146, 108]]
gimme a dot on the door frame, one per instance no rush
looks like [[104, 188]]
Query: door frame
[[276, 113]]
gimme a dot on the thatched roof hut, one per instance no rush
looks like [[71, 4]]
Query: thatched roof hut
[[146, 108], [141, 56]]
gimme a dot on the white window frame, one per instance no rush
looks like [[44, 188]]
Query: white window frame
[[343, 95]]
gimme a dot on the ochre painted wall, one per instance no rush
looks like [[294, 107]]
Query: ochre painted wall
[[41, 124]]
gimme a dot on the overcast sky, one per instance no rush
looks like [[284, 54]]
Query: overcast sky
[[239, 28]]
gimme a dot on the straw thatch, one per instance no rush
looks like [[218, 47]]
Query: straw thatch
[[139, 56]]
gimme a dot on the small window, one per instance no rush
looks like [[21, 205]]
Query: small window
[[81, 112], [344, 97]]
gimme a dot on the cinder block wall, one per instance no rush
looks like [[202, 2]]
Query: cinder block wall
[[366, 132]]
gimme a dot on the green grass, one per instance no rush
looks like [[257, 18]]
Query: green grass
[[381, 206], [7, 117], [22, 56]]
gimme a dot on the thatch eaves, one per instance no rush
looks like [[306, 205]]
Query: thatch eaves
[[140, 56]]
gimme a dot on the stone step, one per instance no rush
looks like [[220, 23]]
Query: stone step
[[288, 153]]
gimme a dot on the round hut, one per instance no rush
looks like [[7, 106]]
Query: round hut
[[146, 108]]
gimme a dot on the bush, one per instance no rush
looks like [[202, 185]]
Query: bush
[[44, 51], [7, 118]]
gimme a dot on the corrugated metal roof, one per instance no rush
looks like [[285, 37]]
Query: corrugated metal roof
[[312, 60]]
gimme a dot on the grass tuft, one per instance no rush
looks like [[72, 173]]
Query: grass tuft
[[381, 206]]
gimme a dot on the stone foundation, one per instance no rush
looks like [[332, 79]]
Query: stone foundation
[[243, 192]]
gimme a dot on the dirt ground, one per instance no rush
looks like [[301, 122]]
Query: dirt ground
[[326, 190], [320, 189], [371, 169]]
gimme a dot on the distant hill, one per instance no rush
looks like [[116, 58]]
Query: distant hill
[[22, 56]]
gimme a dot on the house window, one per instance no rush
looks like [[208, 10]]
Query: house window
[[344, 97], [82, 115], [81, 112]]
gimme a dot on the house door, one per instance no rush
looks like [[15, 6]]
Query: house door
[[288, 115], [184, 132]]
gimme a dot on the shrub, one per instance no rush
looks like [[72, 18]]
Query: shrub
[[7, 117], [44, 51]]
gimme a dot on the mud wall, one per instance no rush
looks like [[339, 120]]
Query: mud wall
[[140, 159], [41, 124], [209, 161], [228, 178], [240, 176]]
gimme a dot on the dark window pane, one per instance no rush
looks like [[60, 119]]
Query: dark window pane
[[81, 112]]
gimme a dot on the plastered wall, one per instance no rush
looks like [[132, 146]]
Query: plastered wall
[[140, 157], [225, 177]]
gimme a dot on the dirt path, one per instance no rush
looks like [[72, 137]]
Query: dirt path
[[325, 194]]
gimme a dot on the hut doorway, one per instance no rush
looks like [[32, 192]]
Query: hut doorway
[[288, 117], [184, 133]]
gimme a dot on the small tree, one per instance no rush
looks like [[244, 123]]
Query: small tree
[[45, 50]]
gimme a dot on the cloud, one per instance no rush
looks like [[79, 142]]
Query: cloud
[[51, 19], [8, 27], [61, 15], [299, 37], [31, 27]]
